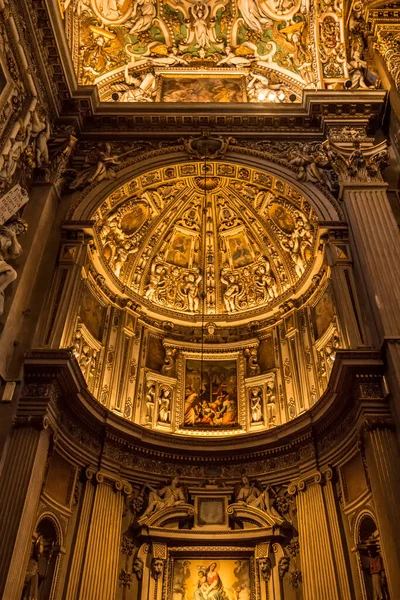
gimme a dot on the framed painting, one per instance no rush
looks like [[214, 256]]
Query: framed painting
[[211, 397], [205, 578], [211, 88]]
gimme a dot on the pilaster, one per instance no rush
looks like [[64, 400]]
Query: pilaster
[[383, 462], [100, 565], [21, 482], [75, 570], [319, 563]]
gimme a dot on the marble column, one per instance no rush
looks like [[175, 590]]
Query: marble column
[[21, 479], [85, 511], [318, 566], [100, 565], [383, 462]]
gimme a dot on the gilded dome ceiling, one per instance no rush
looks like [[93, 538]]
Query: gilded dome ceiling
[[220, 240]]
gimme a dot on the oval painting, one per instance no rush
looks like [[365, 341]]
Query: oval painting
[[113, 11], [281, 217], [134, 219]]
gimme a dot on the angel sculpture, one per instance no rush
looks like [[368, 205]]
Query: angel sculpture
[[144, 12], [170, 495], [100, 165], [253, 14]]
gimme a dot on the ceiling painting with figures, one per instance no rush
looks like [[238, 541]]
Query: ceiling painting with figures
[[231, 244], [244, 50]]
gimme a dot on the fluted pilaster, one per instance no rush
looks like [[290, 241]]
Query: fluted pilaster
[[317, 559], [75, 571], [20, 485], [377, 243], [383, 462], [337, 543], [100, 568]]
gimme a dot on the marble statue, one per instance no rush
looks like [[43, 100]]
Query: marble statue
[[9, 160], [378, 575], [248, 492], [357, 71], [164, 403], [138, 89], [32, 578], [252, 362], [256, 404], [271, 404], [170, 495], [9, 249], [150, 402], [232, 60]]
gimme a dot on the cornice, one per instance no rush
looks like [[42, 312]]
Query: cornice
[[109, 430]]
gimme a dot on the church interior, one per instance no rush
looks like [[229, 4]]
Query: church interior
[[199, 299]]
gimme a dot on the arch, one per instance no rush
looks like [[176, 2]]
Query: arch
[[324, 204]]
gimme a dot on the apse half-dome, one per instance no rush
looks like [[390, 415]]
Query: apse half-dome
[[215, 239]]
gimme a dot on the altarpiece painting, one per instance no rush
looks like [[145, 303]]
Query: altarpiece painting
[[211, 394], [205, 578]]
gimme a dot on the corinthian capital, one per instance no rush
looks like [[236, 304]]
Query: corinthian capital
[[358, 163]]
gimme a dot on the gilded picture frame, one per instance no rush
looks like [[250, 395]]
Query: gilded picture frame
[[203, 88]]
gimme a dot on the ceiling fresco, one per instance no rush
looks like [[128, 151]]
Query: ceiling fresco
[[216, 239], [205, 51]]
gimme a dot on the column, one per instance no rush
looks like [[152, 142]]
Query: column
[[376, 246], [383, 462], [21, 480], [317, 559], [100, 567], [75, 570]]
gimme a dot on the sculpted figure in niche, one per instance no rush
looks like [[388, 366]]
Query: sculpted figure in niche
[[151, 391], [170, 495], [33, 578], [9, 249], [256, 405], [271, 404], [377, 571], [164, 402]]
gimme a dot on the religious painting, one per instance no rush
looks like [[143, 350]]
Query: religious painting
[[179, 250], [323, 313], [134, 219], [211, 579], [92, 314], [203, 89], [281, 217], [211, 394], [240, 251]]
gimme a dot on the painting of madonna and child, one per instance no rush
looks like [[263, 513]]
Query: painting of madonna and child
[[211, 394], [203, 579]]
